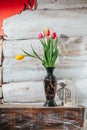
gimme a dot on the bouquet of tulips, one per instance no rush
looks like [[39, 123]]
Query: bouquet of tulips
[[50, 49]]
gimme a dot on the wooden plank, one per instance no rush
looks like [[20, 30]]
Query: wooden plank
[[0, 92], [26, 25], [61, 4], [15, 92], [81, 86], [71, 46], [41, 118], [85, 125], [0, 101], [34, 91], [13, 71], [39, 106], [1, 52], [0, 76]]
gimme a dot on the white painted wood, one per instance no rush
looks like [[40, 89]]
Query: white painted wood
[[27, 105], [29, 23], [71, 46], [0, 76], [85, 124], [13, 71], [1, 52], [24, 92], [14, 47], [0, 92], [81, 85], [61, 4], [71, 64], [33, 92]]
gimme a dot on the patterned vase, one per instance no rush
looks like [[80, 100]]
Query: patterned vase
[[50, 85]]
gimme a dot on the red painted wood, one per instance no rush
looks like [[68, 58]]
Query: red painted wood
[[11, 7]]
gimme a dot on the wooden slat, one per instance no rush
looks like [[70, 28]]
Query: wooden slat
[[15, 92], [1, 52], [39, 106], [0, 76], [34, 91], [13, 71], [61, 4], [72, 59], [26, 24], [71, 46], [85, 127], [0, 92]]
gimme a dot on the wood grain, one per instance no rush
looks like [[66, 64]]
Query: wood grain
[[15, 92], [61, 4], [1, 52], [13, 71], [69, 20], [72, 58], [34, 91], [26, 25], [0, 92], [41, 117], [0, 76], [71, 46]]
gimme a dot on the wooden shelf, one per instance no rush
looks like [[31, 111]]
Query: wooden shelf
[[25, 116]]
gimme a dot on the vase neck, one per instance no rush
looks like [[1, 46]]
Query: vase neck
[[50, 70]]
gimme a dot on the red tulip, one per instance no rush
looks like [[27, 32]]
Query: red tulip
[[53, 36]]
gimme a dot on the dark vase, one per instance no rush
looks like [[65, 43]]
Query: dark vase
[[50, 85]]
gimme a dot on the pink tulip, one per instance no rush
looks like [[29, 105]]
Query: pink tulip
[[41, 35]]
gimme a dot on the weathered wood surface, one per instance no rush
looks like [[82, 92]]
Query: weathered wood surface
[[72, 59], [85, 124], [13, 71], [21, 31], [1, 52], [34, 91], [41, 118], [0, 76], [15, 92], [0, 67], [61, 4], [0, 92], [70, 46], [26, 25]]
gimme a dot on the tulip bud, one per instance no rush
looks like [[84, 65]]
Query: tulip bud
[[53, 36], [41, 35], [47, 32], [19, 57]]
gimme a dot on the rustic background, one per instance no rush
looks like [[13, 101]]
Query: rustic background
[[19, 78]]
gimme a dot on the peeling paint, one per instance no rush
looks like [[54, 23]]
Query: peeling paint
[[11, 7]]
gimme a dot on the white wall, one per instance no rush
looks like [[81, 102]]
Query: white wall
[[69, 20]]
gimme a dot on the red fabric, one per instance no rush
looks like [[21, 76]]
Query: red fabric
[[11, 7]]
